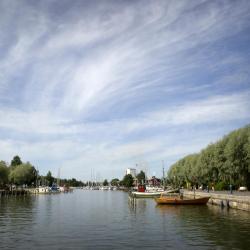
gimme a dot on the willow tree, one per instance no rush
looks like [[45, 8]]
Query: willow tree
[[224, 162], [23, 174], [4, 172]]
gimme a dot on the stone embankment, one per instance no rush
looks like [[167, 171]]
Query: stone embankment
[[238, 200]]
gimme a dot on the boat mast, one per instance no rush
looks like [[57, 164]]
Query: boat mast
[[58, 177], [163, 174]]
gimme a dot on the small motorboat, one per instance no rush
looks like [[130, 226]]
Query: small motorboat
[[181, 201]]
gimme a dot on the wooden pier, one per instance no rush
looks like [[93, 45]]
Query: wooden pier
[[18, 192]]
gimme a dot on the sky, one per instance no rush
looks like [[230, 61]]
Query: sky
[[90, 88]]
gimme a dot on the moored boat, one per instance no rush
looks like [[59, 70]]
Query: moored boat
[[43, 190], [145, 194], [181, 201], [142, 192]]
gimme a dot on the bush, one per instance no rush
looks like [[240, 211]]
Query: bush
[[221, 186]]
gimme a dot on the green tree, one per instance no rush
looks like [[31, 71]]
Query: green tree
[[220, 164], [49, 178], [141, 177], [4, 172], [23, 174], [128, 180], [105, 183], [247, 159], [16, 161], [114, 182]]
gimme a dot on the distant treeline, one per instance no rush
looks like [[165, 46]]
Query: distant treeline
[[25, 174], [19, 173], [224, 163], [49, 180]]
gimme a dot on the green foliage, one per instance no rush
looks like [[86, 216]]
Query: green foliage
[[50, 179], [16, 161], [141, 177], [114, 182], [23, 174], [71, 183], [105, 183], [220, 164], [220, 186], [4, 172], [128, 181]]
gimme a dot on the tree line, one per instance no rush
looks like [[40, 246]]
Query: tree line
[[219, 165], [127, 181], [20, 173]]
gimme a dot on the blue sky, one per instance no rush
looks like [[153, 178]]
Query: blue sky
[[100, 86]]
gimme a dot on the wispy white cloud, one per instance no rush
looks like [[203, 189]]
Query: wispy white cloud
[[103, 83], [101, 143], [215, 109]]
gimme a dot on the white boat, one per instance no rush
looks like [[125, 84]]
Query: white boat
[[44, 190], [146, 194], [154, 189], [151, 194]]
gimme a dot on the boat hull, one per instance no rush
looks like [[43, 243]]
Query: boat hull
[[178, 201], [145, 194]]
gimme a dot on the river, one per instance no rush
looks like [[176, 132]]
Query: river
[[107, 220]]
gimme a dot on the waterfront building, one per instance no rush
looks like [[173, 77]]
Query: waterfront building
[[154, 181], [131, 171]]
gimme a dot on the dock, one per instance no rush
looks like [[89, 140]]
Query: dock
[[236, 200], [17, 192]]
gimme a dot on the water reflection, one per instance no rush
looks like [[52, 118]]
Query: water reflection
[[107, 220], [137, 205], [17, 216], [215, 226], [12, 207]]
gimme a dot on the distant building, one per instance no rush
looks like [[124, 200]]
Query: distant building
[[154, 181], [131, 171]]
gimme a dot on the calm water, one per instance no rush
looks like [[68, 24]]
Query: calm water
[[106, 220]]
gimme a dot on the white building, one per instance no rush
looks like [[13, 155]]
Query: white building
[[131, 171]]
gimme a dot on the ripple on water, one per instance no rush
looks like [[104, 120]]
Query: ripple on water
[[106, 220]]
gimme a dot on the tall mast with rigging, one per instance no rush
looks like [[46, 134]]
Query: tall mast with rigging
[[163, 174]]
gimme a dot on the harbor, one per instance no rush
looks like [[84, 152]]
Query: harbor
[[234, 200], [124, 125], [95, 219]]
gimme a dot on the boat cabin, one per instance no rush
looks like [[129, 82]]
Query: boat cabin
[[141, 188]]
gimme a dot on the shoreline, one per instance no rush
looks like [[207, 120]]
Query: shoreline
[[18, 192], [236, 200]]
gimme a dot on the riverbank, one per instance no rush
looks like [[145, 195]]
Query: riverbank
[[34, 191], [236, 200]]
